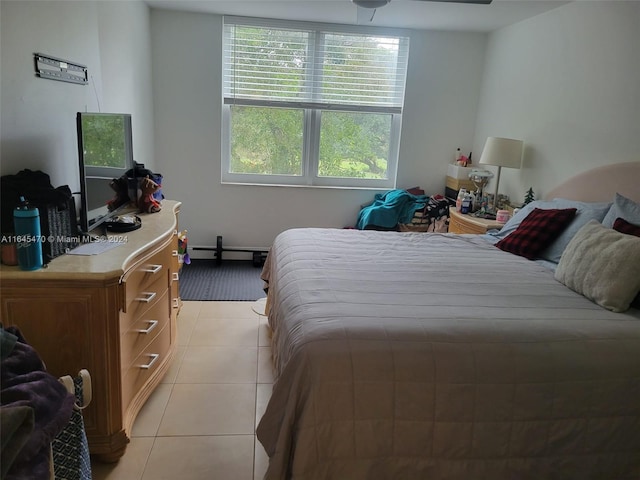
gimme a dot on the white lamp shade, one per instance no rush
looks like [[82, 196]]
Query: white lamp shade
[[502, 152]]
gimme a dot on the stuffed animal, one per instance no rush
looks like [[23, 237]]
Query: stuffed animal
[[120, 186], [146, 202], [183, 255]]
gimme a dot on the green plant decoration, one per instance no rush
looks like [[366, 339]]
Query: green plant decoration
[[529, 196]]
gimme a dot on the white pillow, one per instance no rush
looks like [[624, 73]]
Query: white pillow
[[622, 207], [603, 265], [586, 212]]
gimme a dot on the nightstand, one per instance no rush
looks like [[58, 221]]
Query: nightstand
[[464, 223]]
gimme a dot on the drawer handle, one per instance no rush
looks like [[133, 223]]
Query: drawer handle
[[174, 253], [175, 276], [154, 358], [176, 303], [148, 296], [152, 324], [152, 269]]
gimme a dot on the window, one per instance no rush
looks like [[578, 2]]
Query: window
[[308, 104]]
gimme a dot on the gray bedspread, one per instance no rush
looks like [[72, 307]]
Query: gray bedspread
[[438, 356]]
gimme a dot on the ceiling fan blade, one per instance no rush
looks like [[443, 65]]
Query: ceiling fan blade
[[366, 9]]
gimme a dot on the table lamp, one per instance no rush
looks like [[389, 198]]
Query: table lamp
[[502, 152]]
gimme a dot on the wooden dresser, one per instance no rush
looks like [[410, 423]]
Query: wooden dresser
[[113, 314]]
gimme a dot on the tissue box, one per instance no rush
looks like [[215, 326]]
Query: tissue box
[[460, 173]]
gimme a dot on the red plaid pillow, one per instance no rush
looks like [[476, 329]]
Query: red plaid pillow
[[622, 226], [537, 231]]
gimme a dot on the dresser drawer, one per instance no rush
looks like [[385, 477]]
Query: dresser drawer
[[142, 281], [140, 297], [464, 223], [135, 375], [143, 329], [456, 226]]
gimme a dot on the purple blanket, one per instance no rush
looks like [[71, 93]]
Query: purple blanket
[[24, 382]]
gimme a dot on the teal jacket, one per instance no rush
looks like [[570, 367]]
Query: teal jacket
[[391, 208]]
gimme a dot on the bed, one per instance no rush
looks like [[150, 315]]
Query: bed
[[440, 356]]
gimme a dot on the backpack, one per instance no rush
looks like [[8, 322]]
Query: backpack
[[58, 221]]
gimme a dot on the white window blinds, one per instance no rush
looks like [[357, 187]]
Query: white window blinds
[[312, 66]]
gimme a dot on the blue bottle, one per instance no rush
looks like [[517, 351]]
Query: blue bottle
[[26, 221]]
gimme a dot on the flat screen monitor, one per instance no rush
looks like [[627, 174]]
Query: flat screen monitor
[[105, 151]]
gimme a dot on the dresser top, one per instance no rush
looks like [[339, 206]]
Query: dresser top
[[156, 229], [472, 219]]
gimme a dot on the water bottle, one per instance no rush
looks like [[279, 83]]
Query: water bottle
[[472, 202], [26, 221], [467, 204]]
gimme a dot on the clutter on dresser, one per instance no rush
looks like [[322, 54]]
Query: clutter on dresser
[[503, 216], [480, 178], [139, 187], [146, 200], [55, 207], [26, 222], [461, 160], [183, 254], [457, 178], [123, 223]]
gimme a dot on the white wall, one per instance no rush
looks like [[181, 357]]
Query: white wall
[[37, 125], [567, 82], [125, 58], [441, 103]]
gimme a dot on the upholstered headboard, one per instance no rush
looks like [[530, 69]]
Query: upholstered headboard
[[601, 184]]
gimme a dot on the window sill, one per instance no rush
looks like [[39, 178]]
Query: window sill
[[283, 185]]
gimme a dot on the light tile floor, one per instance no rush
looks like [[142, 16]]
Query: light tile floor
[[199, 423]]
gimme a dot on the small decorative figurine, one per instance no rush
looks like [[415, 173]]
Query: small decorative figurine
[[529, 196], [183, 255], [146, 202]]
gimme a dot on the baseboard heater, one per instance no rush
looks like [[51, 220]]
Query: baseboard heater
[[259, 254]]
